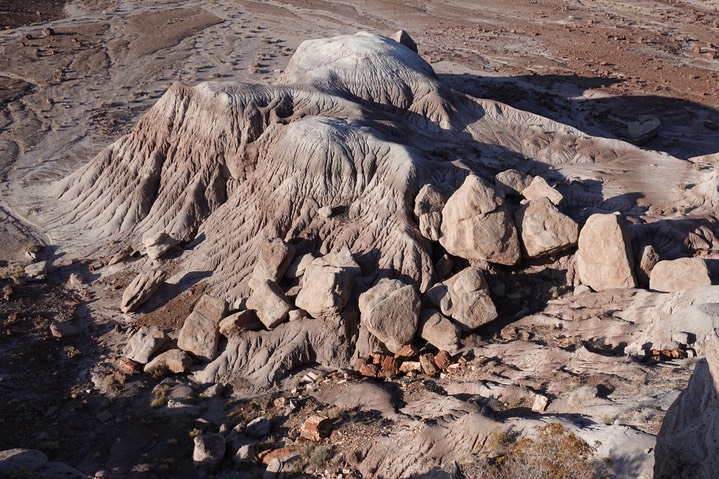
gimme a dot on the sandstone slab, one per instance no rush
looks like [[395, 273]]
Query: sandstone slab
[[476, 225], [604, 258], [679, 275], [270, 304], [428, 207], [543, 229], [325, 290], [438, 330], [390, 311], [539, 188], [468, 301], [157, 244], [272, 262], [199, 336], [141, 289], [142, 345], [241, 321]]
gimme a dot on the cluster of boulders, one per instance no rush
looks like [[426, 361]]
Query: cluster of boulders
[[477, 224]]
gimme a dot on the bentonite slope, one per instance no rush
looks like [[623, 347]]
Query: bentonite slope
[[357, 123]]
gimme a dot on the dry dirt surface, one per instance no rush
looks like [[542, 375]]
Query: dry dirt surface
[[77, 76]]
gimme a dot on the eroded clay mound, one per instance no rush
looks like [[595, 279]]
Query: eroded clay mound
[[357, 123]]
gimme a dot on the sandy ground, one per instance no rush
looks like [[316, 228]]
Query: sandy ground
[[64, 96]]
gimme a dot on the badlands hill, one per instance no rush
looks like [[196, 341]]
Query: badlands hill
[[358, 256]]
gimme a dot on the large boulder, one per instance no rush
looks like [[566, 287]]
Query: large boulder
[[270, 304], [146, 341], [157, 244], [679, 275], [439, 331], [687, 441], [200, 336], [467, 300], [428, 207], [544, 230], [604, 258], [211, 307], [245, 320], [141, 289], [272, 262], [390, 311], [476, 225], [325, 289]]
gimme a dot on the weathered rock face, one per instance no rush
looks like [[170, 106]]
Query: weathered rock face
[[544, 229], [687, 442], [604, 258], [428, 208], [468, 301], [200, 336], [390, 311], [142, 345], [476, 225], [679, 274], [141, 289], [325, 290], [270, 304]]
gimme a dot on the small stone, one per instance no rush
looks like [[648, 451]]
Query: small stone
[[36, 271], [315, 428], [213, 391], [235, 323], [142, 345], [407, 351], [104, 416], [128, 367], [539, 188], [443, 360], [427, 363], [157, 244], [326, 212], [410, 366], [540, 403], [245, 454], [679, 275], [174, 361], [297, 314], [299, 265], [643, 130], [369, 370], [120, 256], [272, 262], [209, 450], [258, 428], [64, 329]]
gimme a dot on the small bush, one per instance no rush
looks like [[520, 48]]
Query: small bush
[[159, 396], [554, 454]]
